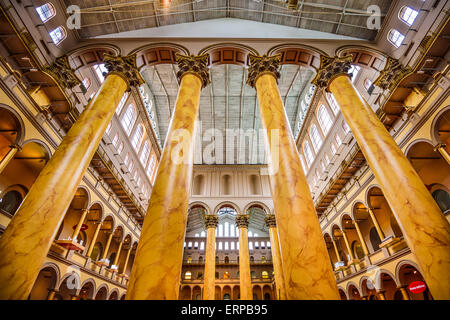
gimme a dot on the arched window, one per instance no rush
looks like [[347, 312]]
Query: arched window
[[10, 202], [137, 137], [408, 15], [145, 153], [188, 275], [354, 70], [395, 37], [46, 12], [226, 247], [442, 198], [333, 103], [315, 138], [265, 275], [128, 119], [345, 127], [151, 166], [324, 119], [220, 245], [100, 70], [58, 35], [122, 103], [338, 140], [115, 140], [308, 153], [120, 148], [86, 83]]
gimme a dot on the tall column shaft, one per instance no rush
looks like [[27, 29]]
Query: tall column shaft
[[361, 238], [108, 243], [75, 233], [94, 239], [245, 280], [425, 228], [125, 265], [376, 224], [116, 259], [276, 257], [156, 270], [210, 265], [26, 241], [307, 272], [348, 246], [7, 158], [336, 251]]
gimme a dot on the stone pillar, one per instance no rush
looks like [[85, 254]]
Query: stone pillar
[[76, 232], [27, 240], [336, 251], [245, 281], [14, 148], [440, 148], [271, 223], [405, 294], [125, 265], [108, 243], [361, 239], [157, 268], [211, 222], [349, 249], [116, 259], [376, 224], [306, 270], [426, 230], [94, 239]]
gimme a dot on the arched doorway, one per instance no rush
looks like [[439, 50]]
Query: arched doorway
[[44, 284], [407, 274]]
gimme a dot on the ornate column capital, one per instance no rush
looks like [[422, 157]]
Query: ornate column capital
[[439, 146], [211, 220], [15, 146], [330, 68], [260, 65], [125, 67], [270, 221], [196, 65], [63, 73], [242, 220], [392, 73]]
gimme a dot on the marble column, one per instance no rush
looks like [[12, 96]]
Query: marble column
[[349, 249], [306, 269], [156, 270], [108, 244], [276, 256], [405, 294], [376, 224], [426, 230], [14, 148], [211, 222], [336, 251], [361, 238], [245, 280], [28, 237], [116, 259], [94, 239], [76, 232], [440, 148]]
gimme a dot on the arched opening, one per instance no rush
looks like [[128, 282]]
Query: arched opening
[[425, 161], [66, 236], [22, 170], [342, 294], [226, 293], [338, 237], [362, 217], [68, 288], [114, 296], [10, 131], [349, 228], [383, 213], [413, 282], [102, 293], [236, 292], [87, 291], [197, 293], [353, 293], [45, 282], [185, 293], [334, 259], [257, 292], [388, 286], [267, 292], [368, 289]]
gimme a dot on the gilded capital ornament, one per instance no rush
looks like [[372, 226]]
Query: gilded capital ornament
[[196, 65], [439, 146], [270, 221], [392, 73], [63, 73], [242, 220], [125, 67], [331, 67], [260, 65], [211, 220]]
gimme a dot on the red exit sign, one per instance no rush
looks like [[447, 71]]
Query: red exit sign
[[417, 287]]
